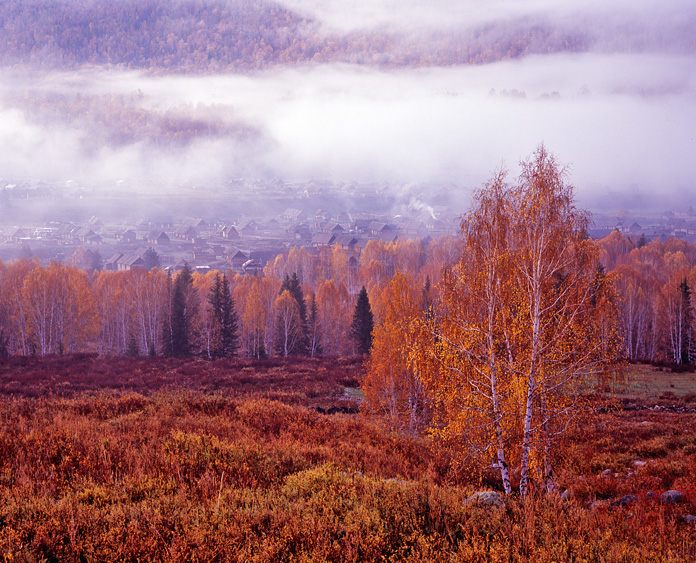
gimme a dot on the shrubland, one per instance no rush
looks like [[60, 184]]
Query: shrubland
[[232, 461]]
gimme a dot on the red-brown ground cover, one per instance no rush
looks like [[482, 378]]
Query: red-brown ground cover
[[184, 460]]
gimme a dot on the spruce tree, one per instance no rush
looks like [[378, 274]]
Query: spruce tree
[[167, 342], [151, 259], [183, 310], [292, 285], [363, 323], [685, 323], [225, 318]]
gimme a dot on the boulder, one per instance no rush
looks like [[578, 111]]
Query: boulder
[[486, 499], [625, 500], [689, 518], [672, 497]]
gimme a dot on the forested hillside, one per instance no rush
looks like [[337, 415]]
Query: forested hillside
[[237, 35]]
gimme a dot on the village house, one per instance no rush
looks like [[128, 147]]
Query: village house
[[13, 234], [323, 239], [127, 236], [229, 232], [247, 228], [301, 233], [347, 242], [187, 233], [130, 261], [293, 215], [379, 228], [333, 228], [158, 237], [111, 263], [85, 234], [236, 257]]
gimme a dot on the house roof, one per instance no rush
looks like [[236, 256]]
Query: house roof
[[347, 240], [323, 238], [154, 235], [83, 232], [131, 260], [114, 258]]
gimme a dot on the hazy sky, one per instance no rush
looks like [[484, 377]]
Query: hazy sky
[[621, 121]]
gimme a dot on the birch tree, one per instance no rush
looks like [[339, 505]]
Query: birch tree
[[517, 336]]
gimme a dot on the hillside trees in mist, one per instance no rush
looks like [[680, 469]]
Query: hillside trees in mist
[[237, 35]]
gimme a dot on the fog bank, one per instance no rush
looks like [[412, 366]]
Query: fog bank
[[622, 122]]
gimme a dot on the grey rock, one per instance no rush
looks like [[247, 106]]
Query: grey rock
[[650, 495], [486, 499], [689, 518], [625, 500], [606, 473], [566, 495], [672, 497]]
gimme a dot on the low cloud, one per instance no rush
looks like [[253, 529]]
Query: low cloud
[[622, 122]]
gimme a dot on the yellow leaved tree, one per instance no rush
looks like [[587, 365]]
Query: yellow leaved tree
[[393, 385], [524, 323]]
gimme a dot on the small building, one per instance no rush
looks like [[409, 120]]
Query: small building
[[294, 215], [347, 242], [13, 234], [130, 261], [187, 233], [111, 263], [379, 228], [197, 223], [127, 236], [236, 257], [323, 239], [229, 232], [301, 233], [158, 237], [333, 228], [247, 228]]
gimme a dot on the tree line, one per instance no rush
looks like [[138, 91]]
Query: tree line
[[305, 303], [60, 308], [223, 36]]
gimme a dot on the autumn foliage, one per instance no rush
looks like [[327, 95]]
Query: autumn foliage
[[231, 460], [522, 329]]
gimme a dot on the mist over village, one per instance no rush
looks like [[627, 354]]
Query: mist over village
[[322, 280]]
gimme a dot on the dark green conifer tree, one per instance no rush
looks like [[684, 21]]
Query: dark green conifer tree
[[184, 306], [167, 343], [292, 284], [151, 259], [225, 318], [686, 324], [363, 323]]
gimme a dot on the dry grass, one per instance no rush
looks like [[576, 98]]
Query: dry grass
[[213, 473], [646, 382]]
